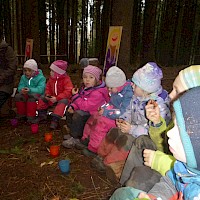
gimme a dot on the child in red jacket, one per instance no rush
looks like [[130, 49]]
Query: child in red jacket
[[57, 93]]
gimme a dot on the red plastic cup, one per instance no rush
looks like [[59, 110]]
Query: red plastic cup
[[54, 150], [34, 128], [48, 137]]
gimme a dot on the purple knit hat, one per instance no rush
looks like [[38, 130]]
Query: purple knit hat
[[95, 71], [148, 77], [59, 66]]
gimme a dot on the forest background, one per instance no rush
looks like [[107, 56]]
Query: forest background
[[165, 31]]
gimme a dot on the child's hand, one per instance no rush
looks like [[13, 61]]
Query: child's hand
[[143, 195], [125, 127], [118, 122], [25, 90], [100, 110], [53, 99], [70, 110], [75, 90], [148, 155], [153, 111]]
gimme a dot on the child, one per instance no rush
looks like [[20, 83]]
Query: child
[[31, 86], [85, 102], [115, 148], [181, 182], [186, 79], [157, 160], [99, 124], [57, 92]]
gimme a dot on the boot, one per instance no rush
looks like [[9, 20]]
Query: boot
[[54, 123], [42, 116]]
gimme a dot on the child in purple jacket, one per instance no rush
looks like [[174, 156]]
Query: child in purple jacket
[[85, 102], [99, 124]]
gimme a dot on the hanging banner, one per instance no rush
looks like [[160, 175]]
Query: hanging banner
[[112, 49], [28, 49]]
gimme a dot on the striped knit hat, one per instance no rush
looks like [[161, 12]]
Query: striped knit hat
[[190, 76], [187, 111], [95, 71]]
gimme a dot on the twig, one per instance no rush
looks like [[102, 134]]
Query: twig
[[95, 187], [50, 190], [105, 181]]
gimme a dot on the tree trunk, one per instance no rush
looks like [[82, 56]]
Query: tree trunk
[[122, 16], [148, 48], [61, 32], [186, 33], [43, 31], [105, 22]]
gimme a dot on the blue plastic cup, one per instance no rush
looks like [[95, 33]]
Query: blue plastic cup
[[64, 166]]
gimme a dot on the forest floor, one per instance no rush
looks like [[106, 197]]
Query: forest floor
[[28, 172]]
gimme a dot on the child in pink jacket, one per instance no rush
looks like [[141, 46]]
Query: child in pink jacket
[[85, 102], [57, 93], [100, 123]]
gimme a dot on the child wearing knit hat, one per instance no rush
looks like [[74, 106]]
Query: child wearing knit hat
[[146, 84], [57, 93], [158, 161], [187, 78], [85, 102], [31, 87], [182, 181], [100, 123]]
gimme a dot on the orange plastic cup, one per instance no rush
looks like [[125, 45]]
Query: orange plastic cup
[[54, 150], [48, 137]]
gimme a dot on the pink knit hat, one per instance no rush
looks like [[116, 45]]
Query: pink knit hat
[[59, 66], [95, 71]]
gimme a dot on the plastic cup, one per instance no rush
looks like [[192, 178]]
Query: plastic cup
[[54, 150], [48, 137], [64, 166], [14, 122], [34, 128]]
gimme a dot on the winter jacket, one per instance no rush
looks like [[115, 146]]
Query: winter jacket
[[135, 113], [179, 183], [90, 99], [61, 87], [36, 84], [118, 102], [8, 65], [97, 125]]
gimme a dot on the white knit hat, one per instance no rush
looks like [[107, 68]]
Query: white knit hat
[[31, 64], [115, 77]]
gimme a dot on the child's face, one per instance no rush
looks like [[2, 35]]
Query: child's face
[[178, 88], [28, 72], [175, 143], [89, 80], [52, 73], [138, 91], [112, 90]]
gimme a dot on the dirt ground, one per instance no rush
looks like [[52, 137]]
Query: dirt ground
[[28, 172]]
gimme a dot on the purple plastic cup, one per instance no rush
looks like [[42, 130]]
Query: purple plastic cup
[[14, 122]]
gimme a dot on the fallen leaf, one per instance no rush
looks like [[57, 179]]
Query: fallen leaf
[[42, 164], [50, 162]]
